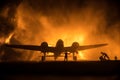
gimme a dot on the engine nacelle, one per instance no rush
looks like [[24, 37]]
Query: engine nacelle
[[44, 46], [75, 45]]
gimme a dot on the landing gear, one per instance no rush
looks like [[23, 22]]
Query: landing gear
[[55, 58], [74, 56], [43, 57], [66, 56]]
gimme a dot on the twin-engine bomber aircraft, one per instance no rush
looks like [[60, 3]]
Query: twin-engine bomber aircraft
[[58, 49]]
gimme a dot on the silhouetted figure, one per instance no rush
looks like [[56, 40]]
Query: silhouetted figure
[[104, 56], [101, 58], [115, 57], [43, 58], [66, 57]]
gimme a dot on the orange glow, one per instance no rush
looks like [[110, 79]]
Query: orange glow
[[83, 27], [8, 39], [81, 56]]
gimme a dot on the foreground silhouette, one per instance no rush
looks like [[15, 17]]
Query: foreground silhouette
[[57, 50], [104, 57]]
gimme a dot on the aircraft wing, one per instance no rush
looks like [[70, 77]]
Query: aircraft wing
[[52, 49], [31, 47], [71, 49], [28, 47], [90, 46]]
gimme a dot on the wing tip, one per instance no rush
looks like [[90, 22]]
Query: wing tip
[[105, 44]]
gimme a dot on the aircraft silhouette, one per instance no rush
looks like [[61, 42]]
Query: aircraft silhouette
[[57, 50]]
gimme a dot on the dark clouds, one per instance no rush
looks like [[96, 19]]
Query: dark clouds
[[7, 15], [8, 10], [5, 27]]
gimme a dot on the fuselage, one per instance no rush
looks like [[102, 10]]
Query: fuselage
[[59, 48]]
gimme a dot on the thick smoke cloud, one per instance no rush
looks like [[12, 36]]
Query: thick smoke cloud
[[5, 27], [8, 10], [7, 16], [85, 21]]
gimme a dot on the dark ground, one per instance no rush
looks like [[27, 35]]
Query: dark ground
[[59, 70]]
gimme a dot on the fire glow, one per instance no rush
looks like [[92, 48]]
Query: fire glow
[[7, 41], [85, 25], [41, 28]]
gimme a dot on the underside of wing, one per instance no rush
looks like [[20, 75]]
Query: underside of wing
[[90, 46], [27, 47]]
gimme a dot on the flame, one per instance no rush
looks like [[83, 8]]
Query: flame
[[9, 37], [84, 26], [81, 56], [51, 34]]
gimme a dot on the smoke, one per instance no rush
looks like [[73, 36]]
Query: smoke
[[7, 17], [84, 21], [5, 27], [8, 10]]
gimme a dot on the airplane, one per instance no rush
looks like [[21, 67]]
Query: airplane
[[57, 50]]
